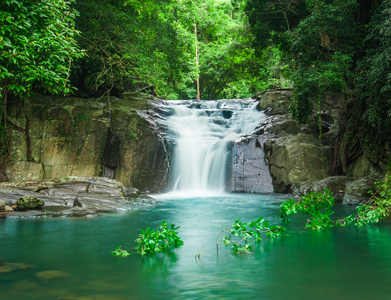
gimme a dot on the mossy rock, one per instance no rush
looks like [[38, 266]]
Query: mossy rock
[[29, 202]]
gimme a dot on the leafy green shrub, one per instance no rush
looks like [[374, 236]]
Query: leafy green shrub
[[150, 241], [376, 208], [242, 236], [317, 205]]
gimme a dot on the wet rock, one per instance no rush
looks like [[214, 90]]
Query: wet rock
[[29, 202], [2, 205], [358, 191], [142, 200], [296, 158], [74, 197], [250, 172], [131, 192], [336, 184]]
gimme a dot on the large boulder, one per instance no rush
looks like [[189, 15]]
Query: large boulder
[[276, 102], [359, 191], [361, 167], [336, 184], [250, 172], [296, 158], [143, 156]]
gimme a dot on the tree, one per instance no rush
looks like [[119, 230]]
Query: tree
[[226, 57], [37, 46]]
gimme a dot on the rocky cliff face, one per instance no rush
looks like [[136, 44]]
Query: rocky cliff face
[[57, 137], [300, 159]]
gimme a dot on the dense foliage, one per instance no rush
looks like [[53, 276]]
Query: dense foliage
[[332, 46], [171, 44], [211, 49], [37, 45]]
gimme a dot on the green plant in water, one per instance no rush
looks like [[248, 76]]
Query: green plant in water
[[150, 241], [242, 236], [119, 252], [375, 209], [319, 207]]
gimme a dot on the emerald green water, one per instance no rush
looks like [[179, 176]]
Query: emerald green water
[[340, 263]]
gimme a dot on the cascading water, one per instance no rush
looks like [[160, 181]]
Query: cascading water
[[203, 133]]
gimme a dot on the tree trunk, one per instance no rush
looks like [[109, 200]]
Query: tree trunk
[[197, 62]]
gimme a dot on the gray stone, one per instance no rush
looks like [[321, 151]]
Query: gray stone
[[361, 167], [358, 191], [336, 184], [69, 198], [2, 205], [302, 187], [296, 158], [275, 102], [294, 152], [250, 171]]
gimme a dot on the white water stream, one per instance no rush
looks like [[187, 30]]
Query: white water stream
[[204, 132]]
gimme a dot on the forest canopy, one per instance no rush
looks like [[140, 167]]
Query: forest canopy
[[211, 49]]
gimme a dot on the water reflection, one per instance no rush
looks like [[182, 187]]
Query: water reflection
[[338, 263]]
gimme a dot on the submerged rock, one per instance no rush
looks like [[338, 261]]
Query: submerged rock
[[51, 274], [6, 267]]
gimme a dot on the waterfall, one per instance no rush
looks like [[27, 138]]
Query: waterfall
[[203, 133]]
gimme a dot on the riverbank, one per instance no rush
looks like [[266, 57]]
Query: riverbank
[[71, 197]]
